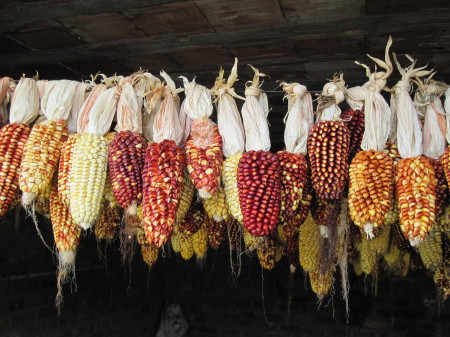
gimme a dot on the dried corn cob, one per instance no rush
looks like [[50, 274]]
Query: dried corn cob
[[445, 159], [216, 206], [107, 226], [371, 189], [200, 242], [280, 234], [250, 241], [392, 215], [64, 168], [399, 239], [442, 280], [292, 251], [193, 220], [266, 251], [40, 158], [382, 240], [354, 120], [368, 256], [235, 233], [149, 254], [328, 150], [126, 162], [357, 267], [229, 179], [13, 138], [441, 186], [108, 193], [163, 180], [187, 194], [309, 245], [415, 191], [391, 150], [443, 221], [393, 254], [175, 240], [217, 231], [186, 248], [321, 283], [431, 250]]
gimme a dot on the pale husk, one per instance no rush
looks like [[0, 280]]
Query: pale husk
[[447, 111], [197, 104], [299, 118], [333, 93], [393, 105], [4, 97], [129, 117], [254, 115], [185, 122], [376, 110], [151, 103], [25, 102], [78, 100], [102, 112], [167, 122], [228, 118], [58, 98], [83, 115]]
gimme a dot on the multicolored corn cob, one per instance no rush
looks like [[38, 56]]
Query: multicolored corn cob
[[193, 220], [229, 179], [321, 283], [163, 181], [391, 150], [354, 120], [441, 186], [217, 231], [250, 241], [107, 226], [266, 251], [65, 164], [235, 233]]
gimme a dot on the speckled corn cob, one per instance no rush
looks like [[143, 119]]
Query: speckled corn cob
[[205, 164], [442, 281], [416, 195], [217, 231], [107, 226], [200, 242], [354, 120], [163, 182], [65, 163], [391, 150], [328, 151], [321, 283], [186, 248], [309, 244], [259, 191], [371, 189], [368, 255], [40, 158], [399, 239], [193, 220], [87, 178], [126, 162], [216, 206], [266, 251], [108, 193], [149, 252], [187, 195], [13, 138], [235, 233], [292, 251], [42, 206], [441, 186], [229, 179], [431, 250]]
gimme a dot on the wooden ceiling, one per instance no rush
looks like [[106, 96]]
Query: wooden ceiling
[[291, 40]]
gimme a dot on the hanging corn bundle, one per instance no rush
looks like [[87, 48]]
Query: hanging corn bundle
[[163, 169], [329, 144], [415, 178], [371, 187], [204, 145], [258, 169], [13, 138], [43, 147], [127, 151], [89, 160], [232, 132]]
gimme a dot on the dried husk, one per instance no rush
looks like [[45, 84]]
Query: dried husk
[[83, 115], [197, 104], [333, 93], [102, 112], [129, 117], [25, 102], [151, 102], [58, 98], [78, 101]]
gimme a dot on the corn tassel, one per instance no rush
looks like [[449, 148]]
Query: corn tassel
[[229, 179]]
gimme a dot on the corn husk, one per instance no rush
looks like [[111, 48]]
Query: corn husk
[[78, 101], [25, 102], [333, 93], [129, 117], [151, 102], [447, 111], [83, 116], [102, 112], [197, 104], [58, 99]]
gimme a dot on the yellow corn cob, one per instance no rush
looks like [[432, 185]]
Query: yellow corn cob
[[392, 215], [186, 248], [357, 267], [431, 250], [381, 242], [369, 258], [321, 283], [40, 158], [149, 254], [65, 162], [392, 256], [442, 280], [309, 244], [266, 251], [216, 206], [444, 220], [229, 179], [250, 241], [280, 233], [108, 193], [87, 178], [187, 194], [200, 242], [107, 226], [175, 241]]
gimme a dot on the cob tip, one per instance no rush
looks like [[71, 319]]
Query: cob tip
[[85, 225], [132, 209], [28, 198], [368, 229], [324, 231]]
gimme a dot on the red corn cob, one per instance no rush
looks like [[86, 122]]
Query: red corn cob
[[441, 186], [354, 120], [193, 219], [217, 231], [163, 180], [259, 191]]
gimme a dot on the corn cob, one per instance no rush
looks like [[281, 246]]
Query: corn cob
[[163, 181], [107, 226], [328, 151], [441, 186], [235, 233], [175, 240], [216, 206], [292, 251], [354, 120], [443, 221], [187, 194], [280, 233], [371, 189], [357, 267], [321, 283], [200, 242], [381, 242], [445, 159], [108, 193], [431, 250], [415, 191], [186, 248], [392, 215], [149, 252], [399, 239], [404, 264], [40, 158], [13, 138], [309, 245], [193, 220], [266, 251], [204, 163], [323, 212], [442, 281], [217, 231], [393, 254], [229, 179], [87, 178], [64, 168], [259, 191], [250, 241], [126, 162], [391, 150], [42, 206], [369, 258]]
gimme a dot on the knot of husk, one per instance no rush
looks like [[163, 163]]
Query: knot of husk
[[333, 93]]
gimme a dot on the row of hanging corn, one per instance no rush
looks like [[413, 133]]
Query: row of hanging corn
[[366, 186]]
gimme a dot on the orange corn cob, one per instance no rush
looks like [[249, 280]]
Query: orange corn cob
[[391, 150], [328, 151], [259, 191], [371, 189], [64, 168], [416, 195], [40, 158], [163, 180], [12, 143], [441, 186], [204, 157], [126, 162]]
